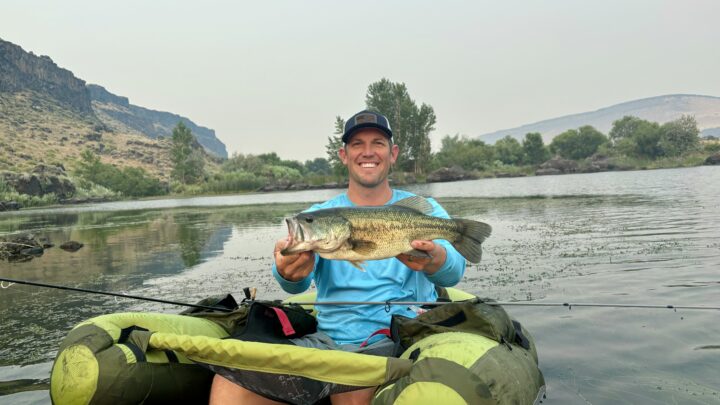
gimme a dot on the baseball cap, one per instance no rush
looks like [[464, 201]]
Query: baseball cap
[[366, 119]]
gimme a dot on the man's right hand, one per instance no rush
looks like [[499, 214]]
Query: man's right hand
[[293, 267]]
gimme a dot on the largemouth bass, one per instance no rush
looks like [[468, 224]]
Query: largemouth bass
[[357, 234]]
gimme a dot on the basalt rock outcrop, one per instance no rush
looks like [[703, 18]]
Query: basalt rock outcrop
[[713, 159], [22, 71], [557, 165], [445, 174], [42, 180]]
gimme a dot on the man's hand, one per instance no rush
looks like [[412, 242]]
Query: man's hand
[[293, 267], [428, 265]]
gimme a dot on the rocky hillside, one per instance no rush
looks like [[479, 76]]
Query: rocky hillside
[[706, 110], [49, 116], [119, 114]]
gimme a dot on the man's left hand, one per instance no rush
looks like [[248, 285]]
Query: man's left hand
[[428, 265]]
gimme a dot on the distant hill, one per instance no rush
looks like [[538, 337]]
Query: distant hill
[[41, 100], [706, 110]]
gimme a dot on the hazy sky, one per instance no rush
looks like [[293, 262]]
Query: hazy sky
[[272, 75]]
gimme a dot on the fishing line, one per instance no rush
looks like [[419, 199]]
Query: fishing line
[[501, 303], [386, 304], [112, 294]]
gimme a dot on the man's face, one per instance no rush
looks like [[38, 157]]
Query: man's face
[[369, 156]]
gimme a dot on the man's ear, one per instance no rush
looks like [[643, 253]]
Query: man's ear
[[394, 151], [343, 156]]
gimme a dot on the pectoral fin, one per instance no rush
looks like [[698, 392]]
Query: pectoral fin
[[363, 247], [358, 265]]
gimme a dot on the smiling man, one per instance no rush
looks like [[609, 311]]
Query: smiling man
[[369, 154]]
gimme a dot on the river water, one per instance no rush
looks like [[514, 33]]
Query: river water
[[643, 237]]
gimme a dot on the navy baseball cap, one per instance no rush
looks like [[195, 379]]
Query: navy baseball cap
[[366, 119]]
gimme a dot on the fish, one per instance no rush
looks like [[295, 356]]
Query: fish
[[358, 234]]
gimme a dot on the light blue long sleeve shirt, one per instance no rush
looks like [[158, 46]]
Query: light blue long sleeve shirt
[[382, 280]]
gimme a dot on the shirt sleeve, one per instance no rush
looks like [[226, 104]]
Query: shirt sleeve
[[452, 271]]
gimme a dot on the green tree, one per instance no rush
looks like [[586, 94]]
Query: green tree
[[333, 146], [411, 125], [534, 149], [679, 136], [318, 166], [625, 128], [188, 162], [508, 150], [577, 143], [470, 154]]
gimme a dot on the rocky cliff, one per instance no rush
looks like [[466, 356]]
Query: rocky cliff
[[118, 113], [36, 81], [24, 71]]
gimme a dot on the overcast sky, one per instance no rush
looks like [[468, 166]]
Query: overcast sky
[[272, 75]]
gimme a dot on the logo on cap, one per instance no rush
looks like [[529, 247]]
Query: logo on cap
[[365, 118]]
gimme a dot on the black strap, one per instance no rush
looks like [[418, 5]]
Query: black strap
[[123, 339], [454, 320], [171, 356], [520, 339]]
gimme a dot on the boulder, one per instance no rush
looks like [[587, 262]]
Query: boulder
[[20, 248], [557, 165], [43, 179], [71, 246], [713, 159], [9, 206]]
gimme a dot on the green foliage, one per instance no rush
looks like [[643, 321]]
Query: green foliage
[[470, 154], [711, 147], [8, 193], [227, 182], [509, 151], [318, 166], [679, 136], [578, 143], [534, 149], [625, 128], [411, 125], [188, 162], [635, 137], [129, 181], [333, 146]]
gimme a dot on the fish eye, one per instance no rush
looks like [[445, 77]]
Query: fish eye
[[308, 219]]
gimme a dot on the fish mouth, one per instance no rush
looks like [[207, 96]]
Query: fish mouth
[[295, 236]]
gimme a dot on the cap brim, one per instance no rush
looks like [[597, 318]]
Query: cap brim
[[348, 134]]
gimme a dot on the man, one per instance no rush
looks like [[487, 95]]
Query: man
[[368, 153]]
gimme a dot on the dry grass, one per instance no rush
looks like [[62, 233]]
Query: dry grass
[[35, 129]]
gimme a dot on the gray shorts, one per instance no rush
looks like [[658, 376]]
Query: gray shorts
[[319, 340]]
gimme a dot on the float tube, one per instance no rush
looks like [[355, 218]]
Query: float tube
[[466, 352]]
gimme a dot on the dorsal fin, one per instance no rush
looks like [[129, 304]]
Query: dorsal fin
[[416, 203]]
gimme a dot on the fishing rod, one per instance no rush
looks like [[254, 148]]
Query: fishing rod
[[383, 303], [502, 303], [112, 294]]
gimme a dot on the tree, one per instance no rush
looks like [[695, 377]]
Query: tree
[[679, 136], [578, 143], [318, 166], [188, 162], [534, 149], [508, 150], [625, 128], [333, 146], [411, 125], [470, 154]]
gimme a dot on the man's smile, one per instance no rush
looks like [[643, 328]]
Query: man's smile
[[368, 164]]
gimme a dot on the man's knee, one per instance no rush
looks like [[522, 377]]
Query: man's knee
[[224, 391], [358, 397]]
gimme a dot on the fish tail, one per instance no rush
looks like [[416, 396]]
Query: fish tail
[[472, 234]]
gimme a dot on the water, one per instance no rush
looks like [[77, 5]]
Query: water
[[647, 237]]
